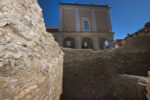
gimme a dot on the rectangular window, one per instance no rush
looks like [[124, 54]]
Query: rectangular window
[[86, 25]]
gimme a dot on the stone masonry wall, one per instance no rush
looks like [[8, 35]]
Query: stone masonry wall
[[148, 86], [113, 74], [30, 60], [92, 75]]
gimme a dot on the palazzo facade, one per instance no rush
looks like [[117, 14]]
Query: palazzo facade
[[83, 27]]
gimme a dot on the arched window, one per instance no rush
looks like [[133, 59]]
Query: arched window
[[69, 42], [87, 43]]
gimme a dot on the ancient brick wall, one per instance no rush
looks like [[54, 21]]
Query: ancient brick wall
[[148, 86], [133, 63], [30, 60], [90, 75], [134, 56], [129, 87], [113, 74], [86, 74], [139, 43]]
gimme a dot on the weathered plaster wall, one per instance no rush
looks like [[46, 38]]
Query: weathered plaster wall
[[30, 60], [100, 75]]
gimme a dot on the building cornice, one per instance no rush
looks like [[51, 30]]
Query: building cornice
[[82, 5]]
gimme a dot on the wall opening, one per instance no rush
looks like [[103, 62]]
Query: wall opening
[[87, 43], [106, 44], [69, 42]]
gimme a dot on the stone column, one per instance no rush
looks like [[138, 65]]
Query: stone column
[[77, 19], [78, 43], [96, 43], [111, 42], [109, 21], [60, 18], [60, 41]]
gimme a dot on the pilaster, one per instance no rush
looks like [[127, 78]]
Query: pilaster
[[60, 18], [78, 43], [77, 13], [109, 21], [96, 45], [94, 28]]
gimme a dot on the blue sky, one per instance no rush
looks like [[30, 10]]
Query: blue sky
[[127, 16]]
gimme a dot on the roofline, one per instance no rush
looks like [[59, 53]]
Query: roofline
[[87, 5]]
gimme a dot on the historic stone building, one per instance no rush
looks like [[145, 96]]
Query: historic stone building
[[123, 42], [83, 26]]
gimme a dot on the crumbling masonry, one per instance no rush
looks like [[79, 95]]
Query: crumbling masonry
[[30, 60]]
